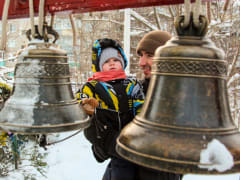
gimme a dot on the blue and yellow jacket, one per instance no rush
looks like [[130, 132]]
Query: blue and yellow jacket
[[5, 91], [119, 101], [107, 96]]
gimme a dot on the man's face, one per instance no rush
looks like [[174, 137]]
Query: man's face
[[145, 62]]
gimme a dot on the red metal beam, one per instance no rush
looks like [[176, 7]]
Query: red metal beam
[[20, 8]]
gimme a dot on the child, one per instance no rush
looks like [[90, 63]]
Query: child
[[113, 100], [5, 92]]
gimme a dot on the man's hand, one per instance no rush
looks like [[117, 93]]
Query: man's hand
[[89, 105]]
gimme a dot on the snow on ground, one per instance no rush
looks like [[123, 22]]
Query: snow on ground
[[72, 159], [212, 177]]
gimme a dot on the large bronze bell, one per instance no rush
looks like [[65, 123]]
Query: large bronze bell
[[185, 125], [42, 99]]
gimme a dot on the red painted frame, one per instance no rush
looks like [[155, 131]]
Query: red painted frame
[[20, 8]]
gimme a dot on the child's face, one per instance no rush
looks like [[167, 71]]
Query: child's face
[[112, 64]]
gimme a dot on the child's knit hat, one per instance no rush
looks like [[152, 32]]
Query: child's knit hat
[[108, 53]]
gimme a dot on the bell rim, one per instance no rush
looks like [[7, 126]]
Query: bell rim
[[150, 153], [50, 126], [126, 152], [81, 124]]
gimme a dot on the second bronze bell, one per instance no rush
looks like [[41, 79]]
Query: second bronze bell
[[42, 100], [185, 125]]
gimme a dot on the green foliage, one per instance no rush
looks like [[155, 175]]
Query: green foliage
[[22, 153], [5, 161]]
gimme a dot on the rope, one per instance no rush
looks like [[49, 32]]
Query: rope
[[61, 140], [197, 12], [41, 17], [4, 24], [31, 12], [187, 9]]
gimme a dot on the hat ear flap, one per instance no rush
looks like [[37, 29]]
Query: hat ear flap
[[96, 51], [124, 57], [94, 68]]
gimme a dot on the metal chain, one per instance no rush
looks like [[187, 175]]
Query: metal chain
[[196, 9], [197, 12], [187, 10]]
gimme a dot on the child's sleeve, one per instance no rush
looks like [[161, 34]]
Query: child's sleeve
[[85, 92], [5, 91], [138, 97]]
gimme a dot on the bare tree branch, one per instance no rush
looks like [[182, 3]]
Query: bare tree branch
[[143, 20], [234, 62], [208, 11], [178, 10], [225, 9], [157, 18], [170, 11]]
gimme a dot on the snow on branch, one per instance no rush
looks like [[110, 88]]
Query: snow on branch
[[233, 78], [143, 20], [234, 61]]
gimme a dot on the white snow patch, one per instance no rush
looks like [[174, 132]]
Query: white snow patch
[[72, 159], [217, 156], [211, 177], [34, 68], [233, 78]]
